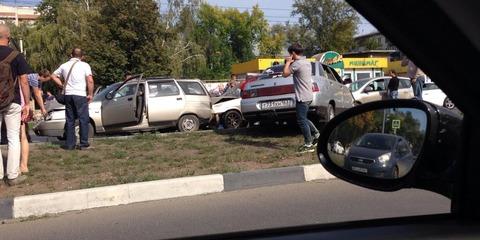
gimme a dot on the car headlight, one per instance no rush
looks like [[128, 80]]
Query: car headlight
[[384, 158]]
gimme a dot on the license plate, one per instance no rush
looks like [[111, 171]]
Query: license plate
[[357, 169], [276, 104]]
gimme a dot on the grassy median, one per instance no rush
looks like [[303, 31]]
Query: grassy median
[[149, 157]]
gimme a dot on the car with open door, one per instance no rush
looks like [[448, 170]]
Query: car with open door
[[375, 89], [448, 161], [140, 104]]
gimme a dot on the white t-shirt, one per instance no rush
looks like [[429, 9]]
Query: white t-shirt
[[77, 83]]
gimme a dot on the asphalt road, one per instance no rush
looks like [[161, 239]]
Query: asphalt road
[[268, 207]]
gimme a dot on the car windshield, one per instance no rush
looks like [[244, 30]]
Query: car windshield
[[181, 165], [101, 95], [376, 141], [355, 86]]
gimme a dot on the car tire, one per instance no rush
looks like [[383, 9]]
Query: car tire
[[330, 112], [188, 123], [448, 103], [91, 132], [232, 119]]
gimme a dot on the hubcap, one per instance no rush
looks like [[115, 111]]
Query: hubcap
[[233, 120], [188, 124]]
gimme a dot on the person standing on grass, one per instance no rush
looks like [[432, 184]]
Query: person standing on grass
[[78, 94], [35, 81], [393, 85], [301, 69], [13, 83]]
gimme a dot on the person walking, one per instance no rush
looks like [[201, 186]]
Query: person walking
[[393, 85], [78, 89], [301, 69], [13, 83]]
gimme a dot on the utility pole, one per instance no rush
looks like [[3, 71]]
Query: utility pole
[[16, 24]]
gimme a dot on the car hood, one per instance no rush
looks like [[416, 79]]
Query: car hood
[[369, 153], [220, 99], [227, 105]]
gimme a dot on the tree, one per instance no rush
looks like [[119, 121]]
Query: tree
[[331, 22], [273, 41]]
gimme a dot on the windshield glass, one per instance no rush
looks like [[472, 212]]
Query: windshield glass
[[376, 141], [101, 95], [182, 165], [355, 86]]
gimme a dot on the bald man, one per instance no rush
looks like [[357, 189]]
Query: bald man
[[14, 114], [78, 89]]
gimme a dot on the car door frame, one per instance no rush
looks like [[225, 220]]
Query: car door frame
[[158, 105], [110, 101]]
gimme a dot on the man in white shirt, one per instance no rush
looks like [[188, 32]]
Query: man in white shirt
[[78, 94]]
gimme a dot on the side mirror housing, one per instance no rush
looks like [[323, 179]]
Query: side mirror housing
[[369, 133], [109, 96], [367, 89]]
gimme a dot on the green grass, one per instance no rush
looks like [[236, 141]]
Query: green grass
[[148, 157]]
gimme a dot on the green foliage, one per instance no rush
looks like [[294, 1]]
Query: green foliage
[[331, 24]]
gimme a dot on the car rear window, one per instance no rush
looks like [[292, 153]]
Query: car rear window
[[192, 88]]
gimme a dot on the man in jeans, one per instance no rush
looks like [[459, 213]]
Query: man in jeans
[[393, 85], [14, 113], [78, 94], [301, 69]]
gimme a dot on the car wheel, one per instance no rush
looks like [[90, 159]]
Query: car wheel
[[330, 112], [188, 123], [232, 119], [91, 131], [448, 103]]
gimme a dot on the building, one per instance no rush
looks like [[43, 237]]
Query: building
[[366, 64], [372, 41], [256, 66], [20, 14]]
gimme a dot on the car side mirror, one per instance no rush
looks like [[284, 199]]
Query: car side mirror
[[367, 89], [369, 133], [109, 96]]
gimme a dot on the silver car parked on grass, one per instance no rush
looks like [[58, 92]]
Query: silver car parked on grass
[[272, 97], [139, 104]]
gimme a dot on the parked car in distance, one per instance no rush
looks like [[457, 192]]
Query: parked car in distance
[[140, 104], [272, 97], [380, 155], [227, 110], [431, 93], [375, 89]]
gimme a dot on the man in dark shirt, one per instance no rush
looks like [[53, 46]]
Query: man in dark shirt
[[15, 113], [393, 85]]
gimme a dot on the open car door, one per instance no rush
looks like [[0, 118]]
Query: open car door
[[120, 107]]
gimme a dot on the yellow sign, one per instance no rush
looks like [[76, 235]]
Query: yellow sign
[[365, 62]]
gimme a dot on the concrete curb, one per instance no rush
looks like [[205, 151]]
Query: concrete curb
[[59, 202]]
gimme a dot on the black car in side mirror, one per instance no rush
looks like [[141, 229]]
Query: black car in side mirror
[[393, 144]]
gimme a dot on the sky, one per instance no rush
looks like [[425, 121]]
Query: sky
[[276, 11]]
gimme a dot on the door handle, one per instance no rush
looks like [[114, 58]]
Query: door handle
[[129, 99], [179, 99]]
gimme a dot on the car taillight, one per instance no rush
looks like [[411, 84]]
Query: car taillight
[[315, 87], [249, 93]]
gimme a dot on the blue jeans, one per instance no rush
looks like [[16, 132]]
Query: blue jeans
[[306, 126], [393, 94], [76, 107]]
